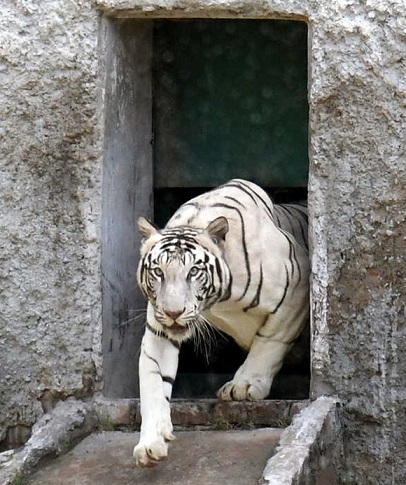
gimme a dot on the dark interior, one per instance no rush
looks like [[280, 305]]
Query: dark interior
[[230, 101]]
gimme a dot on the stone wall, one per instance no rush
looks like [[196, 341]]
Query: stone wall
[[50, 180], [51, 144], [358, 198]]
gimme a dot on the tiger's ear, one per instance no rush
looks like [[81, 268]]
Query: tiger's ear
[[218, 229], [146, 228]]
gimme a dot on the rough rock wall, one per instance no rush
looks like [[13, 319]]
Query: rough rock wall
[[49, 205], [358, 199]]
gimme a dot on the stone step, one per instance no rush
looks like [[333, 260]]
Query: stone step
[[195, 458]]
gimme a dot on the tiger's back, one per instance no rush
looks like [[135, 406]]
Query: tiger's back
[[266, 251]]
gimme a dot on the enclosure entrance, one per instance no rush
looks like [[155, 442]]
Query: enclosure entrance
[[194, 104]]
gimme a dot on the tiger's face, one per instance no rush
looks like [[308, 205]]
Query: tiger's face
[[182, 273]]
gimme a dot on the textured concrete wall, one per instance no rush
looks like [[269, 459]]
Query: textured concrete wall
[[49, 205], [50, 197], [358, 200]]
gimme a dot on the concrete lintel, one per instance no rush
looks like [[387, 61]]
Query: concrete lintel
[[309, 448], [292, 9]]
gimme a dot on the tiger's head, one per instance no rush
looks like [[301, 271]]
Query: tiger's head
[[182, 272]]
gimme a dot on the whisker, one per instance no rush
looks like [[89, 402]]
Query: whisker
[[204, 336], [132, 319], [214, 331]]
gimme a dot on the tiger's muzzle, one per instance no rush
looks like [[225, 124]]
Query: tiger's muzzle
[[171, 321]]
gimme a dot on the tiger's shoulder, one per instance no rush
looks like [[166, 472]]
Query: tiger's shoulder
[[247, 206], [237, 200]]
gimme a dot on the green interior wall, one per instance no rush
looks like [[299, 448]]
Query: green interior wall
[[230, 100]]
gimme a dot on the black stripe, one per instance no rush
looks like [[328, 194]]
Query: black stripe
[[227, 294], [285, 207], [289, 219], [179, 231], [158, 372], [234, 200], [155, 362], [304, 233], [239, 186], [163, 335], [292, 251], [255, 301], [290, 257], [252, 191], [302, 208], [167, 379], [284, 292], [143, 270], [301, 217], [170, 380], [196, 205], [244, 246], [220, 277], [176, 238], [303, 220], [295, 259]]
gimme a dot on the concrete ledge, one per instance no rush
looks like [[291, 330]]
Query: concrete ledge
[[207, 413], [310, 449], [54, 434]]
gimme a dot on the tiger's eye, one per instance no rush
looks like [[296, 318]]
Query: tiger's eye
[[158, 272], [193, 271]]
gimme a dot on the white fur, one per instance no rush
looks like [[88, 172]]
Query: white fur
[[266, 328]]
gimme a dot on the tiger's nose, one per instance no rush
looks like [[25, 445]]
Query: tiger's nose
[[174, 314]]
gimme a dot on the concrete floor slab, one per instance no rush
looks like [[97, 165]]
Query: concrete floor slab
[[235, 457]]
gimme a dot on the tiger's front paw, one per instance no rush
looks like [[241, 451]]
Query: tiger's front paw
[[244, 390], [150, 454], [153, 445]]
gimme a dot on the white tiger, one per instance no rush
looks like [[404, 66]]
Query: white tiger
[[232, 258]]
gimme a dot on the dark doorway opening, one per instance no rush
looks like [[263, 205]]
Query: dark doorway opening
[[229, 100], [190, 104]]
